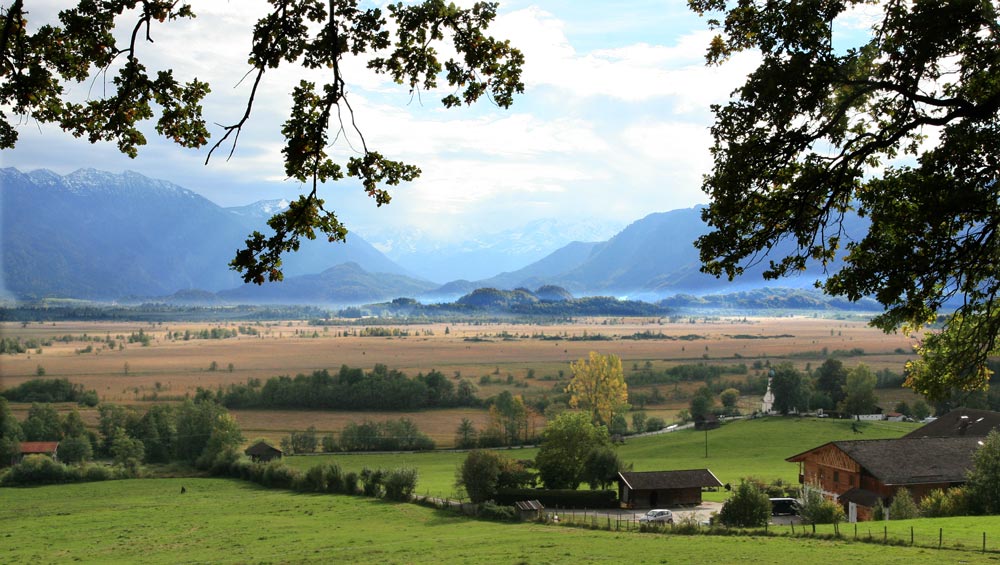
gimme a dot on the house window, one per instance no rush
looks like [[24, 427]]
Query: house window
[[836, 477]]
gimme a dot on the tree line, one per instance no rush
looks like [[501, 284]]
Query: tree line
[[351, 388]]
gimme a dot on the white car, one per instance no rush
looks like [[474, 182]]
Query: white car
[[657, 516]]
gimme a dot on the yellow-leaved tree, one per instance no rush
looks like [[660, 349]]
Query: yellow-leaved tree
[[598, 385]]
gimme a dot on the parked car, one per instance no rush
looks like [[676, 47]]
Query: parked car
[[784, 507], [657, 516]]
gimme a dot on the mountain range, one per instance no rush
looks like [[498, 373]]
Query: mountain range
[[99, 235]]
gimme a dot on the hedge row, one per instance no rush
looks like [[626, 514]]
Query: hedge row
[[43, 470], [564, 498]]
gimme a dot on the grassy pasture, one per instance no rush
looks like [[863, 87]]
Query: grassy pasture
[[226, 521], [755, 448]]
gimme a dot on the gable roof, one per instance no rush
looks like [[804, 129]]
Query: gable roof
[[46, 447], [958, 423], [654, 480], [529, 505], [262, 448], [908, 461]]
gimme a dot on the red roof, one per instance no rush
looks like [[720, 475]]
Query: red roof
[[29, 447]]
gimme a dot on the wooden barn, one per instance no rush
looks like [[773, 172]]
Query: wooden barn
[[50, 448], [262, 452], [860, 473], [657, 489]]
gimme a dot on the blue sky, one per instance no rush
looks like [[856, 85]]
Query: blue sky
[[613, 124]]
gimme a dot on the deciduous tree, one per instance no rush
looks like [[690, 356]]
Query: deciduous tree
[[41, 61], [567, 442], [859, 392], [901, 128], [598, 385]]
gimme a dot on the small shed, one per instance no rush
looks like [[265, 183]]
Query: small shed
[[262, 452], [529, 509], [656, 489], [50, 448]]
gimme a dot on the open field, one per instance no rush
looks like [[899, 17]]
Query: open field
[[745, 448], [498, 357], [226, 521]]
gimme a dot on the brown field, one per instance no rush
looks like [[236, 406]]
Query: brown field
[[170, 369]]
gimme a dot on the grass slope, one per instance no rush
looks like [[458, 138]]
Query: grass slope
[[227, 521], [738, 449]]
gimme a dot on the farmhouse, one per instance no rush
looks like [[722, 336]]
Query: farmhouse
[[962, 422], [262, 452], [860, 473], [653, 489], [50, 448]]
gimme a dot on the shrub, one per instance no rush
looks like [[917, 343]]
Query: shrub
[[36, 470], [748, 507], [351, 483], [93, 473], [655, 424], [315, 479], [903, 507], [328, 443], [400, 484], [566, 498], [491, 511], [334, 479], [371, 481], [941, 504], [278, 475], [815, 509]]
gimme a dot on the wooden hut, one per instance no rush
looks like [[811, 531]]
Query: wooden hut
[[262, 452], [50, 448], [658, 489], [529, 509]]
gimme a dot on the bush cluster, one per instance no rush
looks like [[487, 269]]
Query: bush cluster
[[561, 498], [395, 484], [43, 470]]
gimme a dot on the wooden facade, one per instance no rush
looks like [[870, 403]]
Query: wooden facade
[[862, 473], [659, 489], [262, 452]]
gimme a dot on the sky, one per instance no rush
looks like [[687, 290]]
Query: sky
[[613, 124]]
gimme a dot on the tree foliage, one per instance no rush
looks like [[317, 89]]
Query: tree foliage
[[598, 385], [900, 129], [484, 473], [983, 486], [789, 388], [405, 42], [859, 392], [748, 507], [568, 441]]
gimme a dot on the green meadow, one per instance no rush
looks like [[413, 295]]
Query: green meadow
[[228, 521], [743, 448]]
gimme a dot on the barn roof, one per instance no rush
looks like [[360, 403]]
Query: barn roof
[[261, 448], [959, 422], [29, 447], [908, 461], [861, 497], [654, 480], [529, 505]]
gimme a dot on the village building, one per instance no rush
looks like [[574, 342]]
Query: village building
[[656, 489], [262, 452], [961, 422], [50, 448], [861, 473]]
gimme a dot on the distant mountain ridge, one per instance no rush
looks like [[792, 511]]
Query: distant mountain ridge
[[100, 235]]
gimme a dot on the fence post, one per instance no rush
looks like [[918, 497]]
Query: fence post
[[940, 537], [885, 534], [911, 535], [984, 542], [855, 530]]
